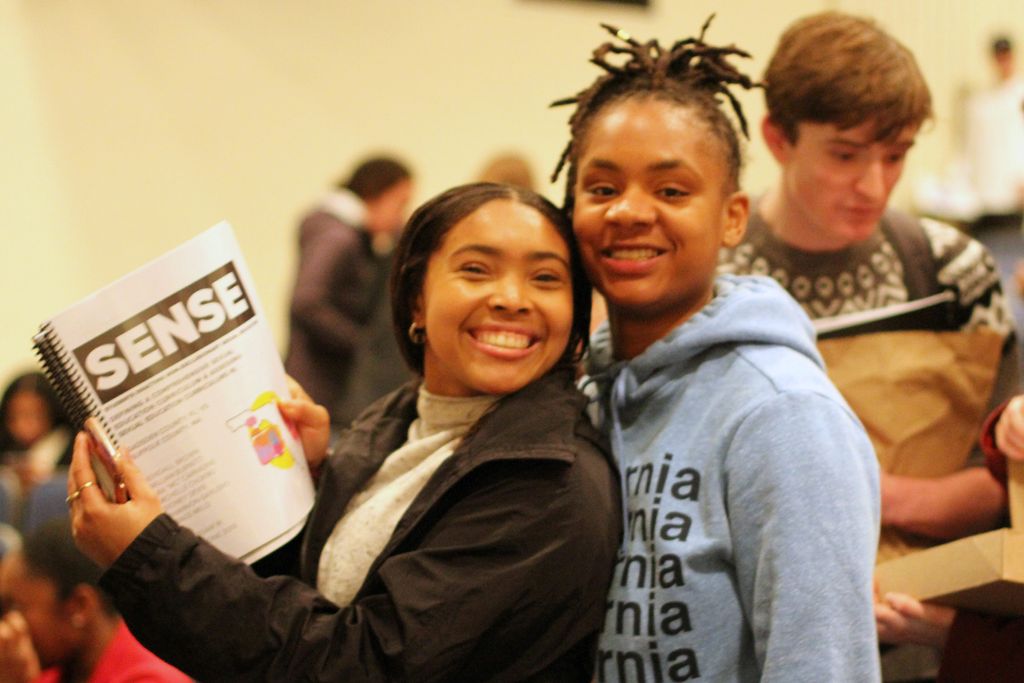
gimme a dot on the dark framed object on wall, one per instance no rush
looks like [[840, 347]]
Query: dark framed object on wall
[[634, 3]]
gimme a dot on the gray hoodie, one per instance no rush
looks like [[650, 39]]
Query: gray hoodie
[[751, 502]]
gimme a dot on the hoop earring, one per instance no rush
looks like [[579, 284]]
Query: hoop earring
[[418, 335]]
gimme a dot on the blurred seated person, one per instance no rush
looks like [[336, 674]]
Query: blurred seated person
[[58, 626], [35, 437]]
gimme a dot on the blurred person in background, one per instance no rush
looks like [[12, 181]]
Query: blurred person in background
[[994, 144], [58, 626], [35, 438], [510, 168], [341, 348]]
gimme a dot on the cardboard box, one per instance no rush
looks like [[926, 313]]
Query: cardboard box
[[984, 572]]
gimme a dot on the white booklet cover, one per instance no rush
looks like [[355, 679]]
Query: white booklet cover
[[177, 361]]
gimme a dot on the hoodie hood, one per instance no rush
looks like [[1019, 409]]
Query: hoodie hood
[[346, 206], [750, 493], [746, 310]]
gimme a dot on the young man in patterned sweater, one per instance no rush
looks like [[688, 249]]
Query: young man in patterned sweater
[[845, 102]]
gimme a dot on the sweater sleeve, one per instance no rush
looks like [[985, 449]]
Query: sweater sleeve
[[994, 457], [967, 267], [803, 506], [472, 599]]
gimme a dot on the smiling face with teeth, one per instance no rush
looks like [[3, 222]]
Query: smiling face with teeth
[[653, 205], [497, 302]]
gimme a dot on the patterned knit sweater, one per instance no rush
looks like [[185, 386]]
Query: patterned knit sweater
[[873, 274]]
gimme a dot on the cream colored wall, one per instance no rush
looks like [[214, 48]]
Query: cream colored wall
[[130, 126]]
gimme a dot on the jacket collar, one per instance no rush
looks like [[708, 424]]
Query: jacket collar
[[539, 422]]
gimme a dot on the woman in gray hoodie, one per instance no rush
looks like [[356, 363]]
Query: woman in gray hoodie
[[751, 489]]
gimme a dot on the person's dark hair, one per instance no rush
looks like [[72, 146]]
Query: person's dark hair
[[49, 552], [844, 70], [36, 383], [1001, 45], [375, 176], [424, 233], [691, 74]]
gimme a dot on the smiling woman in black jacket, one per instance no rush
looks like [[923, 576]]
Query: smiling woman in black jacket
[[465, 526]]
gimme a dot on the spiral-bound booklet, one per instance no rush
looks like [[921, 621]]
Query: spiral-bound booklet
[[176, 363]]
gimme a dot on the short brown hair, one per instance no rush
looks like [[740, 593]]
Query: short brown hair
[[845, 70], [375, 176]]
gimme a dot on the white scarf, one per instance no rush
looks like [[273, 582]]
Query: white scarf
[[372, 514]]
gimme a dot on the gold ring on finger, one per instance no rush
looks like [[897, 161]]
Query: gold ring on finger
[[77, 492]]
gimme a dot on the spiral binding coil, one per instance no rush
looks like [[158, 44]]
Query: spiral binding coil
[[71, 389]]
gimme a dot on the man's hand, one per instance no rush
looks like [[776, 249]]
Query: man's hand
[[902, 619]]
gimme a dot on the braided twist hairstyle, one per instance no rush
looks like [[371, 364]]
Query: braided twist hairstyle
[[691, 73]]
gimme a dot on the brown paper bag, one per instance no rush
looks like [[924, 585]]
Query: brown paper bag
[[922, 397]]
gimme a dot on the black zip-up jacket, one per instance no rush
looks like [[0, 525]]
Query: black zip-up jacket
[[496, 572]]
